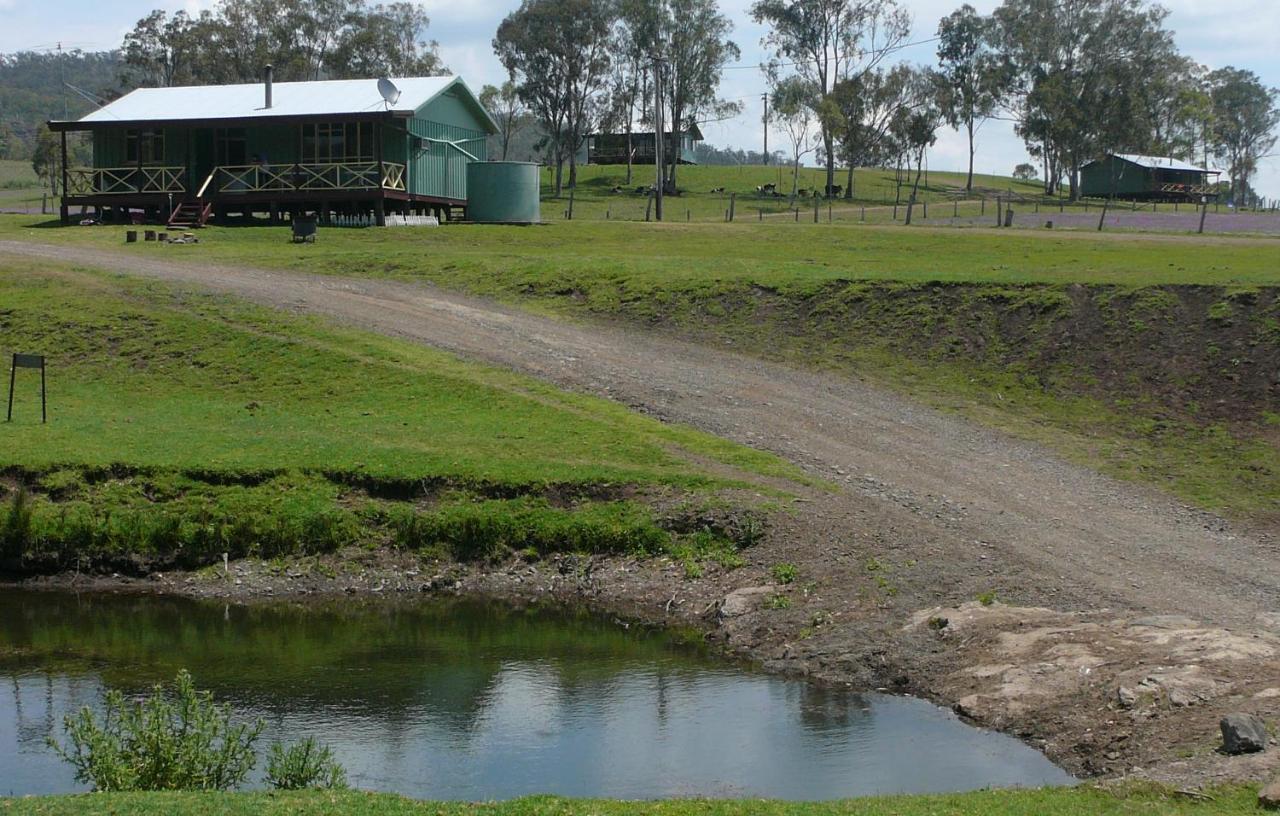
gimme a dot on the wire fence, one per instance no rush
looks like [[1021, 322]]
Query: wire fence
[[1013, 212]]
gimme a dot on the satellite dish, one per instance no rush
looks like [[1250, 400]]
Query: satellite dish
[[390, 93]]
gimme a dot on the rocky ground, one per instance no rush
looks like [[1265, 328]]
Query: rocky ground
[[1101, 621]]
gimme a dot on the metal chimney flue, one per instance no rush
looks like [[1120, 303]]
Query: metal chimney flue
[[267, 75]]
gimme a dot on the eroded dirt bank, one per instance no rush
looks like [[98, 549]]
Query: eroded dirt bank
[[1120, 625]]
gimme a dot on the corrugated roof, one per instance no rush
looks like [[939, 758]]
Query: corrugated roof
[[1160, 162], [320, 98]]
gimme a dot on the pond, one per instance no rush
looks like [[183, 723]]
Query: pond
[[470, 700]]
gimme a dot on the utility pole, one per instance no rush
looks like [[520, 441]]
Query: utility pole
[[765, 98], [658, 137], [62, 82]]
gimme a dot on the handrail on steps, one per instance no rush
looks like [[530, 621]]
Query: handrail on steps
[[207, 182]]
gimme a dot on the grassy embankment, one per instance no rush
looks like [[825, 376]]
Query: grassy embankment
[[185, 426], [1151, 358], [1079, 801]]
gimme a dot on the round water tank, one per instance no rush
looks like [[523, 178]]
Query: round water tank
[[503, 193]]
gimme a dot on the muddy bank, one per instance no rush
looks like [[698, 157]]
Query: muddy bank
[[1103, 694]]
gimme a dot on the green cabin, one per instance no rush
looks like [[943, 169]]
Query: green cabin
[[612, 148], [1146, 178], [367, 146]]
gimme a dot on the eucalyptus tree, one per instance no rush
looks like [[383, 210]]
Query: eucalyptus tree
[[384, 40], [974, 78], [302, 39], [792, 101], [558, 54], [862, 112], [507, 109], [1244, 124], [828, 41], [1080, 72], [916, 124], [159, 50], [690, 42]]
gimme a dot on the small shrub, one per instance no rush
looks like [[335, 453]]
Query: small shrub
[[304, 764], [178, 741], [987, 598], [779, 601], [750, 532], [692, 570], [784, 573]]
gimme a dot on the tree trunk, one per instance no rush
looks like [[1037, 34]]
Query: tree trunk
[[915, 188], [848, 187], [828, 144], [629, 152], [968, 187], [559, 174]]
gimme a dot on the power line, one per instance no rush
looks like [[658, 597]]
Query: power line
[[878, 52]]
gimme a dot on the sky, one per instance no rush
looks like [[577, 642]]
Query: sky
[[1243, 33]]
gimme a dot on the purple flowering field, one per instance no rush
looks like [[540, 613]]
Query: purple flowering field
[[1188, 220]]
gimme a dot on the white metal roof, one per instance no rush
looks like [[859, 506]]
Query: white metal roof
[[1160, 162], [320, 98]]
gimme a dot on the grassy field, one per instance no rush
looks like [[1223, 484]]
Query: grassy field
[[919, 310], [187, 425], [595, 199], [1080, 801], [20, 190], [642, 257]]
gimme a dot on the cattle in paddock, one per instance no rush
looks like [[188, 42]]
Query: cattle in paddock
[[717, 189], [615, 190], [834, 190], [767, 190], [803, 192]]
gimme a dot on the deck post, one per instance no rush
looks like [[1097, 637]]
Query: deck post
[[62, 209], [380, 210]]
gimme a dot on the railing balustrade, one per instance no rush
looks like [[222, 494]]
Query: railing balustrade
[[125, 180], [332, 176]]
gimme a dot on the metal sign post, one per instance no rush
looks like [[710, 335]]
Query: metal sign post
[[27, 361]]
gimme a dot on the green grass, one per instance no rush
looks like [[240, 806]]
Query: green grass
[[17, 174], [637, 259], [147, 376], [873, 187], [187, 425], [707, 278], [1079, 801]]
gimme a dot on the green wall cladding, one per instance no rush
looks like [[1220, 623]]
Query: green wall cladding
[[427, 144]]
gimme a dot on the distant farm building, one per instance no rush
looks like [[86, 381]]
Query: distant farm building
[[612, 148], [1139, 178], [360, 146]]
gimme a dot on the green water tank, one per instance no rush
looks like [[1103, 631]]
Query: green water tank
[[503, 192]]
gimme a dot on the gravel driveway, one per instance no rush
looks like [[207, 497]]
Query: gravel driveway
[[978, 505]]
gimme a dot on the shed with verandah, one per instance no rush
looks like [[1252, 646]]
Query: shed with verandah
[[1144, 178], [335, 146]]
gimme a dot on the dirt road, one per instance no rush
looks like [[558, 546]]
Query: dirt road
[[997, 506]]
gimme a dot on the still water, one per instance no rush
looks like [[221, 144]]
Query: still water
[[454, 700]]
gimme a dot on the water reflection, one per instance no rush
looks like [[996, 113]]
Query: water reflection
[[476, 701]]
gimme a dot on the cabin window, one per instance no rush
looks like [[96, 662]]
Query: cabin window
[[231, 147], [144, 147], [324, 143]]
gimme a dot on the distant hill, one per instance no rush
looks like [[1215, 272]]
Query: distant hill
[[32, 91]]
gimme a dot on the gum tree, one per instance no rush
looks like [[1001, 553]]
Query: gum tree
[[827, 41], [1245, 117]]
